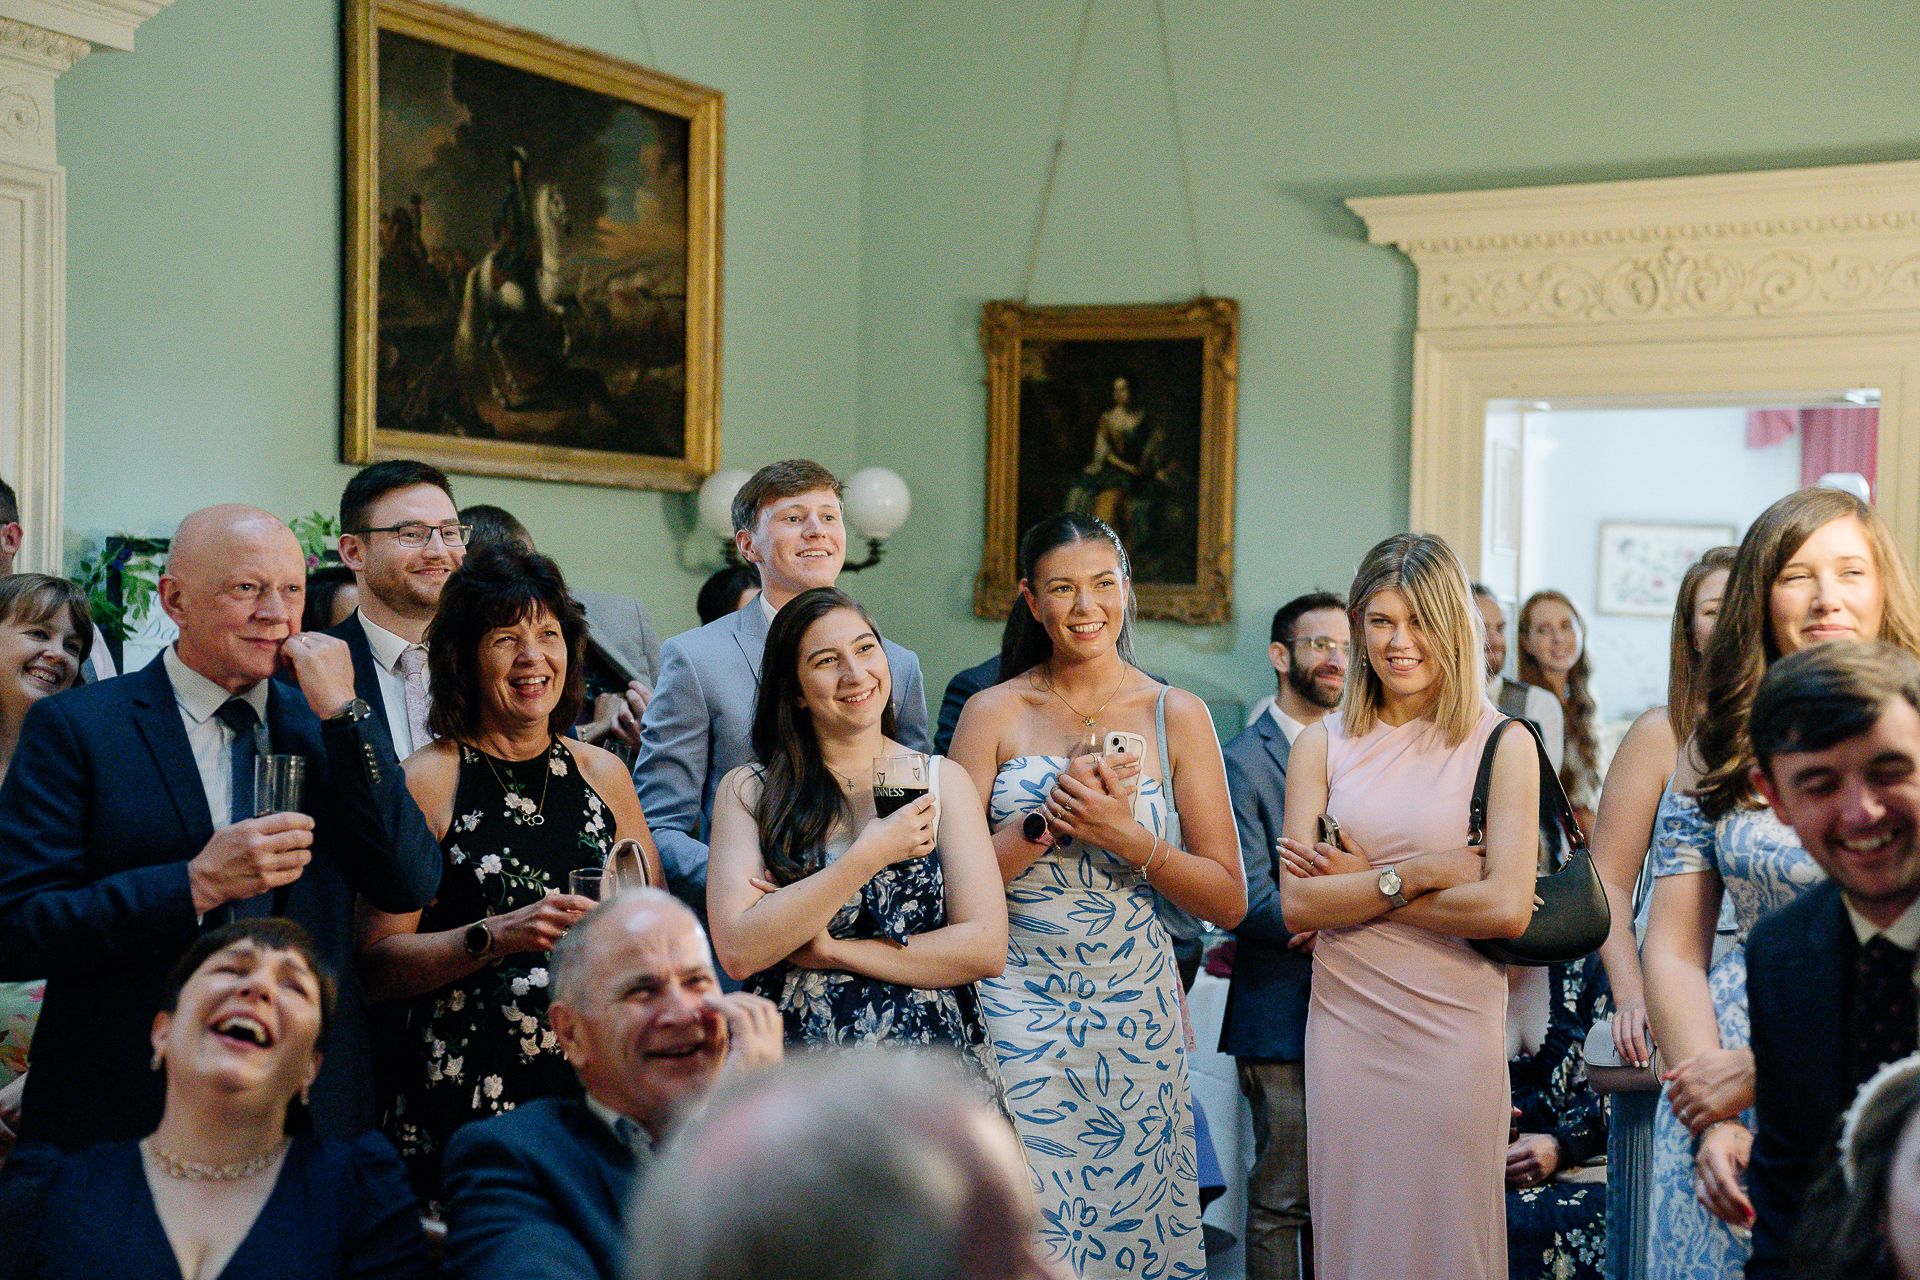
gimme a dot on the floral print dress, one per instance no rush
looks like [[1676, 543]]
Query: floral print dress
[[481, 1045], [1558, 1229], [830, 1007]]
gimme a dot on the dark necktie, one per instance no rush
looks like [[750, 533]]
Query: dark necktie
[[1886, 1010], [238, 715]]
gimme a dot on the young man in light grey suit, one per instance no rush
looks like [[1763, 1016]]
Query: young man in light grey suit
[[1266, 1024], [787, 522]]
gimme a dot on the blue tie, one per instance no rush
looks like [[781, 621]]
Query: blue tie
[[238, 715]]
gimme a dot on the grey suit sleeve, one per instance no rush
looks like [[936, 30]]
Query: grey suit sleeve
[[670, 771], [910, 705], [1259, 821], [650, 642]]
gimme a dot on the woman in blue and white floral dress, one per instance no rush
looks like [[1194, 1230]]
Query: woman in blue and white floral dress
[[862, 929], [1087, 1020], [516, 806], [1818, 566]]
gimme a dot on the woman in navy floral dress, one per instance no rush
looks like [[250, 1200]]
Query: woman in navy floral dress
[[516, 807], [860, 928]]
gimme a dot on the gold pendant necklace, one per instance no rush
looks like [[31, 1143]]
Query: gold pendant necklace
[[1089, 720]]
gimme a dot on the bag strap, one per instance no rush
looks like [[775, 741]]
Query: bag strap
[[1551, 792]]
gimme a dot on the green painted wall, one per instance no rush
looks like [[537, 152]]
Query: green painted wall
[[204, 233], [884, 163], [1287, 109]]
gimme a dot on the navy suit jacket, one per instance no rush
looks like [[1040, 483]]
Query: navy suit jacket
[[959, 689], [366, 676], [100, 813], [536, 1193], [1800, 978], [1267, 1001], [700, 724]]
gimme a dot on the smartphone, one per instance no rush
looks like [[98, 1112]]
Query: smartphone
[[1119, 742], [1330, 831]]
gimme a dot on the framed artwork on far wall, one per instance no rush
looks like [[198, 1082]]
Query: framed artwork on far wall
[[1641, 564], [1125, 412], [532, 255]]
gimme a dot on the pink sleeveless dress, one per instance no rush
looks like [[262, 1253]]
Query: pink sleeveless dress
[[1406, 1070]]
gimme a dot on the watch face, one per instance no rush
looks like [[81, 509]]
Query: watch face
[[477, 939], [1034, 827], [1390, 882]]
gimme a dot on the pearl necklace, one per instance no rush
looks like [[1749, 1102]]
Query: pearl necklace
[[194, 1171]]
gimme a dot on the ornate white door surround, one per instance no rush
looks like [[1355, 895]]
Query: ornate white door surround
[[40, 39], [1731, 289]]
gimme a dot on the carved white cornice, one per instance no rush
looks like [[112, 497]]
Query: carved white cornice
[[44, 50], [1798, 241], [95, 22]]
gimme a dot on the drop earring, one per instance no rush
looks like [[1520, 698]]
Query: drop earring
[[153, 1064]]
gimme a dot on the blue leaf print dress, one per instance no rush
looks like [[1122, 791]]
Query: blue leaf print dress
[[1763, 868], [1087, 1025]]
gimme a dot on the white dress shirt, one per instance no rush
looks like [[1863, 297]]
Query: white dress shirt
[[1288, 725], [387, 648], [1544, 710], [212, 742]]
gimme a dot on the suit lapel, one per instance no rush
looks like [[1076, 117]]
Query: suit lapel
[[366, 677], [157, 716], [1276, 742], [1821, 973], [751, 636]]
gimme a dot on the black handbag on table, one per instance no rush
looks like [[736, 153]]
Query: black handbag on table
[[1573, 918]]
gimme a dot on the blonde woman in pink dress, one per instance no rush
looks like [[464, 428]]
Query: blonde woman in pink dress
[[1406, 1070]]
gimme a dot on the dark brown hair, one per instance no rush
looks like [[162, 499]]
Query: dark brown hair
[[1744, 646], [36, 597], [800, 800], [776, 480], [1024, 642], [1582, 759], [1686, 665], [370, 484], [497, 586], [271, 933]]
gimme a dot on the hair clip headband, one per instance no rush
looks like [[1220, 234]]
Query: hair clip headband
[[1895, 1072]]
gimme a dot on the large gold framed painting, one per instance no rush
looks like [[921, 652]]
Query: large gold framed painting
[[1125, 412], [533, 255]]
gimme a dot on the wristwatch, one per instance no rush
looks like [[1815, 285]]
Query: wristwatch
[[477, 939], [1034, 827], [1390, 886], [353, 713]]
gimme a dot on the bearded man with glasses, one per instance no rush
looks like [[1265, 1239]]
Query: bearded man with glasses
[[402, 537], [1266, 1022]]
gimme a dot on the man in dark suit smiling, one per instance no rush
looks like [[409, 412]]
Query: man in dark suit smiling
[[127, 825], [1830, 977], [638, 1009]]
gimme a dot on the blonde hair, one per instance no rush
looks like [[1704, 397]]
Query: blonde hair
[[1424, 569]]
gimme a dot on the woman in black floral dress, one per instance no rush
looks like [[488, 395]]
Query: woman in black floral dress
[[1556, 1225], [860, 928], [516, 807]]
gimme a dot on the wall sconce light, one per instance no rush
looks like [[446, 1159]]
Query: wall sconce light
[[716, 506], [877, 502]]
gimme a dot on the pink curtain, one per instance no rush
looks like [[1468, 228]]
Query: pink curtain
[[1832, 438]]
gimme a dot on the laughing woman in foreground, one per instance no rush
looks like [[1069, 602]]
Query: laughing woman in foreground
[[1406, 1066], [1087, 1019], [222, 1188]]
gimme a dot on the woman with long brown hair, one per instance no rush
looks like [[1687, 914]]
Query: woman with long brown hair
[[862, 926], [1819, 566], [1553, 656], [1637, 779]]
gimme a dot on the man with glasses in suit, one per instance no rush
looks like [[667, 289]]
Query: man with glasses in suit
[[402, 537], [1265, 1028]]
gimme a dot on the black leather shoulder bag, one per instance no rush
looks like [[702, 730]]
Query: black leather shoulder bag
[[1573, 918]]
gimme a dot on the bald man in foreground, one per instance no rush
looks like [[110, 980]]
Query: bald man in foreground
[[637, 1007], [127, 829]]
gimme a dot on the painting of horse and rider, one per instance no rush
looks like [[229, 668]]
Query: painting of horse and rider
[[536, 226]]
